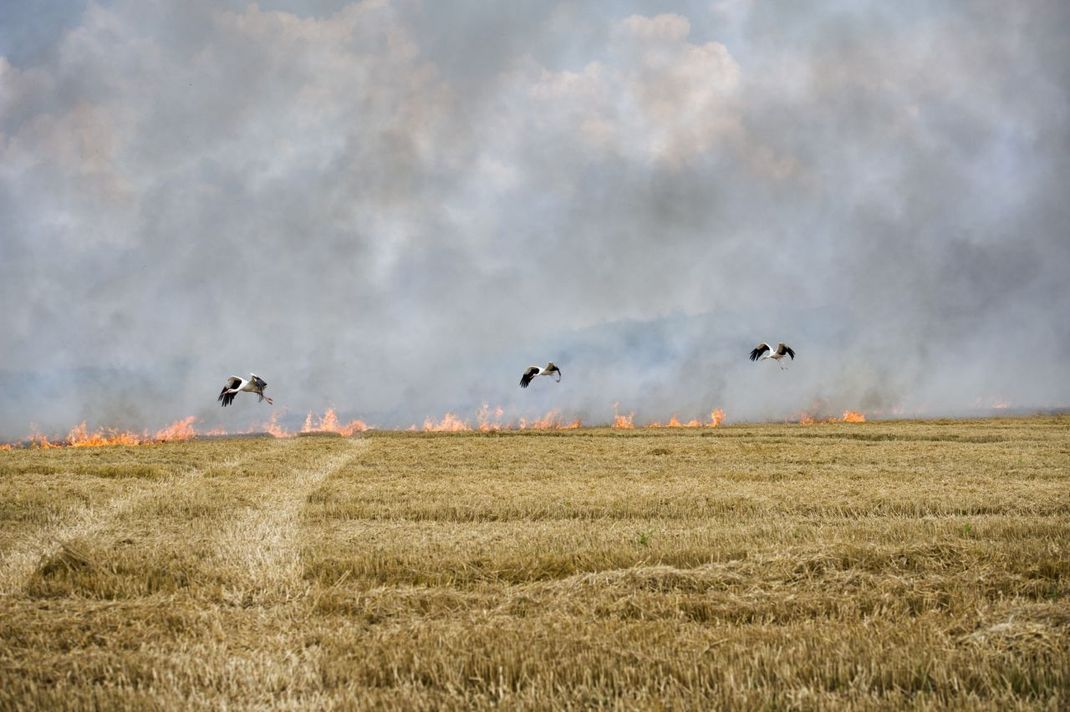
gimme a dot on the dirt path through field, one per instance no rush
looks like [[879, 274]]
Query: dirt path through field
[[261, 549], [23, 558]]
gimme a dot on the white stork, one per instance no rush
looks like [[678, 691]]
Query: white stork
[[549, 370], [236, 385], [762, 352]]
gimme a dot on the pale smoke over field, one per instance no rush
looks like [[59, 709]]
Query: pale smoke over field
[[394, 207]]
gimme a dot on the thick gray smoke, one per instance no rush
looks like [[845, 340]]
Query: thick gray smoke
[[393, 207]]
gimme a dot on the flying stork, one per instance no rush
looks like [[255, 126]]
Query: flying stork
[[236, 385], [762, 352], [549, 370]]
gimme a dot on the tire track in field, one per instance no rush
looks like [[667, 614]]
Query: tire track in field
[[22, 559], [260, 552]]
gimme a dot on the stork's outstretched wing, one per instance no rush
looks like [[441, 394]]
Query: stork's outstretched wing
[[528, 375], [557, 373], [226, 396], [758, 351], [785, 349], [259, 384]]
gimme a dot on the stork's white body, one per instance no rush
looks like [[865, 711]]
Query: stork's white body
[[242, 386]]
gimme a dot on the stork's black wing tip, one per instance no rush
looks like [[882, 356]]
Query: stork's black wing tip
[[528, 375]]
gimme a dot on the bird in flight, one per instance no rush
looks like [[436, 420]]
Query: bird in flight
[[762, 352], [549, 370], [236, 385]]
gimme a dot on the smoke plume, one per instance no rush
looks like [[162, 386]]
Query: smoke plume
[[393, 207]]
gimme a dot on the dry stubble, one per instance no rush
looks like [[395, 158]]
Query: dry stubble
[[918, 564]]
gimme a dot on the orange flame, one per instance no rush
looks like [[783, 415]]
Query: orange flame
[[450, 423], [550, 421], [79, 436], [488, 419], [329, 424], [180, 430], [622, 422], [272, 427], [39, 441], [627, 422], [483, 417], [176, 431], [849, 416], [716, 418]]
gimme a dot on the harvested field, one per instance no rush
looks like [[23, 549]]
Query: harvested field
[[833, 566]]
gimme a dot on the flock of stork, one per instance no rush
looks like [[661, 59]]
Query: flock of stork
[[256, 384]]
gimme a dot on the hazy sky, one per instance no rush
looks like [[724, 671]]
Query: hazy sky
[[392, 207]]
